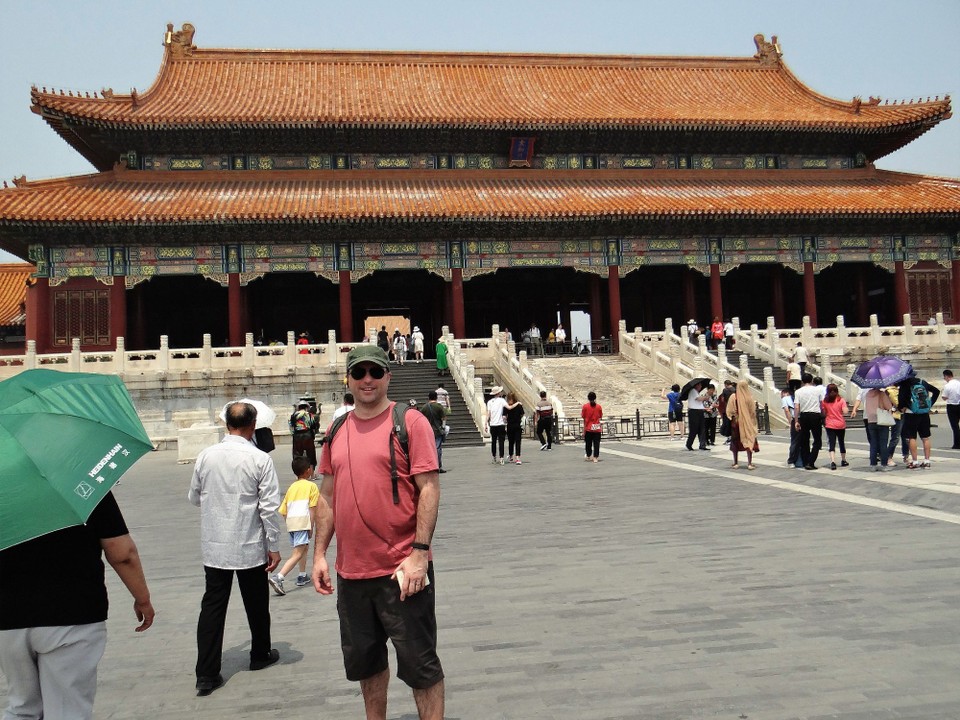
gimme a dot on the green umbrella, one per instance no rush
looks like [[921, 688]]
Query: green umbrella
[[65, 440]]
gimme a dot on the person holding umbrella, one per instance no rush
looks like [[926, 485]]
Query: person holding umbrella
[[56, 504]]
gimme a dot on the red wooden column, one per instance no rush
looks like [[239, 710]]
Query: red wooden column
[[459, 319], [955, 294], [346, 308], [901, 302], [809, 294], [716, 293], [776, 295], [118, 309], [613, 295], [234, 311], [38, 321]]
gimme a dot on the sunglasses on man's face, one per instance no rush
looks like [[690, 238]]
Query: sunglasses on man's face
[[376, 372]]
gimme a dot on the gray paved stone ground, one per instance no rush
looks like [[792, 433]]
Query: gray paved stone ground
[[657, 584]]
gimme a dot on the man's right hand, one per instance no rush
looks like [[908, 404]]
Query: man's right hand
[[321, 576]]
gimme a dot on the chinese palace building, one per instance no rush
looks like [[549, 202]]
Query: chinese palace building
[[271, 190]]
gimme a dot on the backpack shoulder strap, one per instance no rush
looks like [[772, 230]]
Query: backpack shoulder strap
[[337, 424], [400, 430]]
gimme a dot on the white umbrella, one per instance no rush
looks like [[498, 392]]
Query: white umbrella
[[265, 414]]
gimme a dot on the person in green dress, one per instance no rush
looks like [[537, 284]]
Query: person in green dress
[[442, 367]]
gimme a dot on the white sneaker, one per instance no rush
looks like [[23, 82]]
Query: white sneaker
[[543, 447], [926, 463], [276, 582]]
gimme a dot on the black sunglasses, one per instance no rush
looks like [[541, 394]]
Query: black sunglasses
[[359, 373]]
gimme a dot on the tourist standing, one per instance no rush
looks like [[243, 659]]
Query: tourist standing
[[399, 347], [51, 641], [875, 399], [794, 375], [235, 486], [496, 422], [729, 335], [437, 415], [809, 422], [536, 342], [344, 408], [715, 336], [696, 422], [592, 414], [383, 339], [385, 575], [417, 339], [710, 414], [561, 337], [896, 432], [834, 410], [729, 387], [441, 350], [674, 411], [790, 413], [303, 426], [744, 428], [951, 396]]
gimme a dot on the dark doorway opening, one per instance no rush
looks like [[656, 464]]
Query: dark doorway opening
[[182, 308]]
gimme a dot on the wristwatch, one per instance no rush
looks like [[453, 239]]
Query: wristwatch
[[421, 546]]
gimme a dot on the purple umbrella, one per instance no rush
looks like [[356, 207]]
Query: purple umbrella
[[881, 371]]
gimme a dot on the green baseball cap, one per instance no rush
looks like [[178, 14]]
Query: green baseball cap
[[367, 353]]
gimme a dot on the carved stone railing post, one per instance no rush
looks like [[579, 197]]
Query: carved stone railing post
[[522, 361], [806, 332], [826, 366], [841, 331], [206, 352], [744, 366], [874, 332], [332, 354], [248, 352], [941, 329], [909, 336], [754, 338], [120, 357], [75, 355], [163, 354], [30, 360]]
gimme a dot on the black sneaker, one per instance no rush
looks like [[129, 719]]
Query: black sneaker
[[267, 661], [833, 466]]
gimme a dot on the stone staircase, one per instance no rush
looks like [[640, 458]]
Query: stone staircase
[[622, 387], [757, 366], [412, 380]]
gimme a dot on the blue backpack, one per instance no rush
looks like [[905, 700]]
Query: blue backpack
[[919, 399]]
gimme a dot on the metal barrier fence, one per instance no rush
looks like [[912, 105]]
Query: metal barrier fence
[[630, 427]]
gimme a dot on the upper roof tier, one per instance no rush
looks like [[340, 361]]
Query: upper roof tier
[[201, 89]]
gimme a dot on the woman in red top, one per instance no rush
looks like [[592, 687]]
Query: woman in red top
[[716, 333], [834, 409], [592, 414]]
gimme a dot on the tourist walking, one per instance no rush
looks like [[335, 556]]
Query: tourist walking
[[416, 338], [715, 336], [383, 339], [834, 411], [592, 414], [235, 486], [436, 413], [496, 422], [790, 413], [297, 509], [729, 335], [441, 350], [515, 414], [915, 399], [385, 575], [399, 347], [710, 414], [951, 396], [801, 357], [729, 387], [543, 414], [742, 411], [809, 422], [896, 431], [877, 432]]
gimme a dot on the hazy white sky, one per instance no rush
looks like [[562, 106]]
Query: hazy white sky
[[839, 48]]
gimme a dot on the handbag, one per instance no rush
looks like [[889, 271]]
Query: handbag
[[885, 417]]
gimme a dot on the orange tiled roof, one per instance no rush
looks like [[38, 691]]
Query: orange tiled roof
[[275, 88], [144, 197], [13, 292]]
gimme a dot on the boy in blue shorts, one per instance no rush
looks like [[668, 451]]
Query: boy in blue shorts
[[297, 507]]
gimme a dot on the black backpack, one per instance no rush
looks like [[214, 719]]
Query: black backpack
[[399, 429]]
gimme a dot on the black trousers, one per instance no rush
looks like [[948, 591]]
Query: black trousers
[[811, 437], [545, 431], [213, 615], [696, 428], [953, 417]]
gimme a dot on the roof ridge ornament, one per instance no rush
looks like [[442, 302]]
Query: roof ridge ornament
[[180, 43], [768, 53]]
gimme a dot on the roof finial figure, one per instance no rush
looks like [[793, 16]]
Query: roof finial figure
[[768, 53], [180, 42]]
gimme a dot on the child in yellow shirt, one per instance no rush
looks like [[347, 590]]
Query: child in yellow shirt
[[302, 496]]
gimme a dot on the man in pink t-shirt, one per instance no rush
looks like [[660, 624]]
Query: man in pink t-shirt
[[383, 542]]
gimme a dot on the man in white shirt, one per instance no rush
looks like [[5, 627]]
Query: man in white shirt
[[793, 375], [809, 422], [951, 396], [696, 418], [789, 411], [728, 335], [535, 341], [561, 336], [692, 330], [346, 407], [800, 355]]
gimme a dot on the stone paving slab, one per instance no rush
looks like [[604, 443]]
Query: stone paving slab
[[651, 585]]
